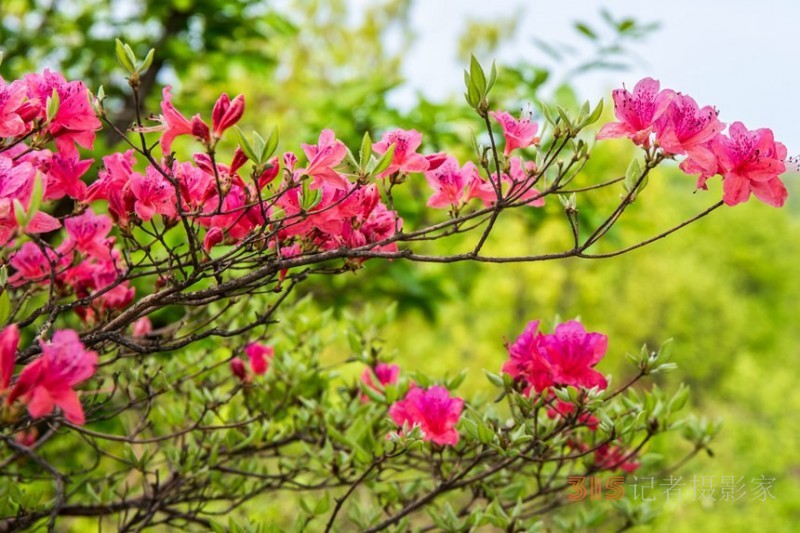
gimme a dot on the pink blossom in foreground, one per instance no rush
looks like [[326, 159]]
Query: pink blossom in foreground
[[9, 340], [637, 112], [405, 158], [387, 374], [433, 410], [751, 162], [518, 133], [322, 157], [48, 381], [260, 356], [565, 357]]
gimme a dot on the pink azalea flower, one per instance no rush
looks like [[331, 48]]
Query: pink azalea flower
[[260, 356], [226, 113], [63, 177], [142, 327], [405, 158], [527, 361], [610, 457], [322, 157], [113, 185], [684, 126], [518, 133], [387, 374], [9, 340], [31, 264], [75, 121], [11, 98], [213, 237], [574, 352], [566, 409], [175, 123], [454, 186], [433, 410], [565, 357], [88, 233], [751, 162], [16, 183], [196, 185], [637, 112], [521, 183], [48, 381], [153, 194]]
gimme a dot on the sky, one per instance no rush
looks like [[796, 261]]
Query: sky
[[737, 55]]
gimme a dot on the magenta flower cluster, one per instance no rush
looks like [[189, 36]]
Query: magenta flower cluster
[[749, 161]]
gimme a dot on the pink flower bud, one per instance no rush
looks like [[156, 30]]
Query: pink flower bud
[[239, 159], [214, 236], [269, 173], [226, 113], [259, 356], [238, 369], [200, 129]]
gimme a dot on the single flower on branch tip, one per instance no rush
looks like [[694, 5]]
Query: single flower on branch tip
[[750, 163], [637, 112], [518, 133], [433, 410]]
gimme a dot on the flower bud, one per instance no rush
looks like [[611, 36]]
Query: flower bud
[[238, 369], [226, 113]]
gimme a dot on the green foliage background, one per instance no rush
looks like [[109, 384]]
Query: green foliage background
[[726, 289]]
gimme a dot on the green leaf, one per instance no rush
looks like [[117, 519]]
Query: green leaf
[[247, 148], [366, 150], [258, 147], [384, 161], [272, 144], [52, 105], [36, 196], [123, 58], [586, 30], [495, 379], [492, 77], [477, 76], [595, 115], [19, 214], [473, 95], [5, 307], [148, 60]]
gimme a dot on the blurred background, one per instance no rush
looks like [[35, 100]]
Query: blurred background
[[726, 288]]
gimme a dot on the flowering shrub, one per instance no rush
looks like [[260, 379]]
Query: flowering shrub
[[196, 256]]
